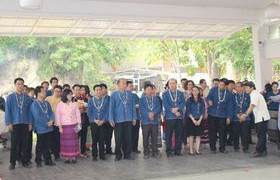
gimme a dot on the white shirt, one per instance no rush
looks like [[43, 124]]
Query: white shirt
[[260, 111]]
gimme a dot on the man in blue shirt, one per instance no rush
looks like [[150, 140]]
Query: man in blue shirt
[[122, 115], [173, 103], [43, 119], [18, 119], [54, 82], [241, 103], [98, 108], [135, 129], [220, 114], [150, 109]]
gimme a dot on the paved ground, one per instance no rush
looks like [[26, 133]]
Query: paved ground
[[206, 166]]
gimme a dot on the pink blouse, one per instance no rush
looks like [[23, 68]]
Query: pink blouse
[[67, 114]]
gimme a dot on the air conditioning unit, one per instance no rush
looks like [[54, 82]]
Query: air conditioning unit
[[31, 4]]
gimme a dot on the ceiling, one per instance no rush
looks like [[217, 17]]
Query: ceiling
[[78, 27], [249, 4]]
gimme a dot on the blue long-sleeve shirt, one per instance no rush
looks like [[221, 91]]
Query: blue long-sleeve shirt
[[42, 113], [147, 105], [237, 102], [122, 107], [223, 109], [273, 105], [13, 113], [168, 104], [195, 108], [49, 92], [93, 113]]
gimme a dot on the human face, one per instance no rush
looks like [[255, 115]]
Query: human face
[[195, 92], [31, 94], [54, 83], [248, 89], [42, 94], [239, 88], [77, 91], [122, 85], [172, 84], [203, 84], [83, 91], [19, 86], [275, 87], [130, 87], [104, 91], [149, 91], [57, 92], [69, 97], [183, 84], [190, 86], [231, 86], [45, 86], [98, 91], [222, 85], [216, 83]]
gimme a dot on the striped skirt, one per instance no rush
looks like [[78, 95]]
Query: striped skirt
[[69, 144]]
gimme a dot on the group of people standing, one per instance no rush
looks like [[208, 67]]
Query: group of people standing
[[61, 117]]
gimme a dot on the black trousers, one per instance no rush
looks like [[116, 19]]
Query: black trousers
[[135, 136], [174, 125], [55, 142], [43, 147], [30, 143], [108, 134], [150, 130], [97, 134], [261, 129], [241, 130], [229, 133], [19, 138], [217, 125], [123, 132], [83, 133]]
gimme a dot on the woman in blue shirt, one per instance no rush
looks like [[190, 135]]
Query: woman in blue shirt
[[194, 123], [273, 106]]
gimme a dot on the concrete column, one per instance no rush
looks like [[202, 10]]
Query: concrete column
[[263, 66]]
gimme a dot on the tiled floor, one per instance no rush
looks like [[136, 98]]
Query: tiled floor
[[185, 167]]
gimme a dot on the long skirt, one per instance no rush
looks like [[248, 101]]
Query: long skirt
[[69, 143], [205, 136]]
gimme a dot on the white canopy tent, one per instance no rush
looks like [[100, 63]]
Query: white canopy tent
[[175, 19]]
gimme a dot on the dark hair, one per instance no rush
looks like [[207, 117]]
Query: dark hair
[[66, 86], [25, 86], [148, 85], [119, 80], [275, 83], [58, 87], [242, 84], [86, 89], [215, 79], [76, 85], [224, 80], [30, 89], [129, 82], [53, 78], [251, 84], [38, 90], [96, 86], [201, 81], [230, 82], [268, 87], [45, 82], [103, 85], [199, 95], [18, 79], [64, 95], [186, 85], [184, 79]]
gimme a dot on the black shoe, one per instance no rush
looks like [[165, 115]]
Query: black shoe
[[25, 165], [256, 155], [103, 158], [137, 151], [74, 161], [236, 150], [118, 158], [223, 151], [213, 152], [94, 159], [246, 151], [198, 153], [38, 165], [128, 158], [110, 152], [12, 166], [178, 154], [50, 163], [67, 162]]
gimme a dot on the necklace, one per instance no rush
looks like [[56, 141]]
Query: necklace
[[123, 99], [150, 107], [219, 96], [241, 102], [43, 107], [98, 107], [174, 100], [20, 102]]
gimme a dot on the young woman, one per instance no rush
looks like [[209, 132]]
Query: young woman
[[195, 124], [68, 119]]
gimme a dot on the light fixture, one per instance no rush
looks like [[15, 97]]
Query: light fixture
[[31, 4], [272, 11]]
